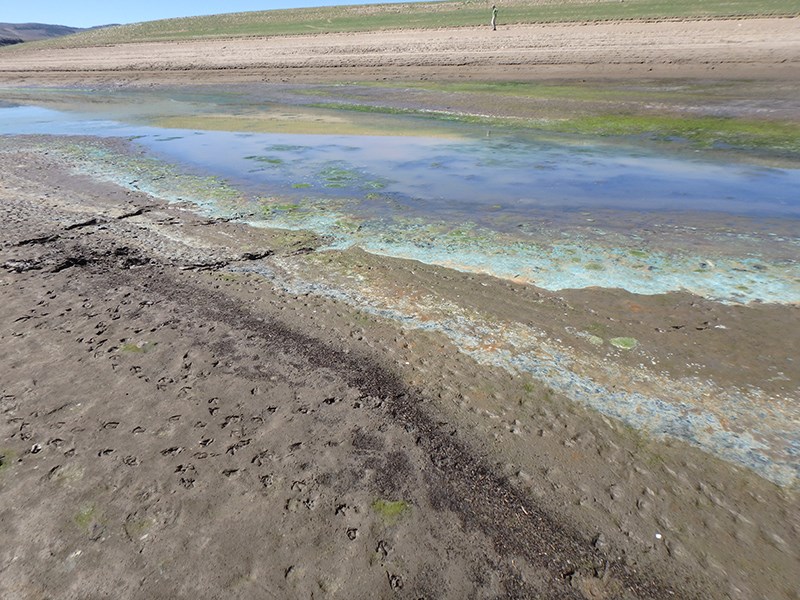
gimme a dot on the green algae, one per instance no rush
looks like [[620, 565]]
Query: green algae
[[391, 511], [705, 132], [138, 348], [592, 266], [268, 207], [6, 456], [624, 343], [86, 516], [272, 160], [306, 120], [337, 176], [776, 137]]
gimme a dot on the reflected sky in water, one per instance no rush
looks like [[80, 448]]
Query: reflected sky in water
[[454, 179]]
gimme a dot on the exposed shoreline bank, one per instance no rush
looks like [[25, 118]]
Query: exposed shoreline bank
[[767, 49]]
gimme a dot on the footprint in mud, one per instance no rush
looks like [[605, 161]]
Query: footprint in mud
[[138, 430], [131, 461], [232, 450], [110, 424], [395, 581], [173, 451], [230, 472], [261, 458], [230, 420], [105, 452]]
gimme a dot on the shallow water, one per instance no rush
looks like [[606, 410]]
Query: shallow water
[[561, 213]]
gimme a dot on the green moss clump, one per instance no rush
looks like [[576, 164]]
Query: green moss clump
[[85, 516], [6, 457], [390, 511], [624, 343]]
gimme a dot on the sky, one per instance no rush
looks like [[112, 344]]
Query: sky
[[88, 13]]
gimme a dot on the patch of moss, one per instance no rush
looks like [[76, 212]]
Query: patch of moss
[[6, 456], [594, 267], [86, 516], [300, 186], [390, 511], [140, 348], [286, 207]]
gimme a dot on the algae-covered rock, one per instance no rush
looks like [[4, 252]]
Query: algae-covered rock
[[624, 343]]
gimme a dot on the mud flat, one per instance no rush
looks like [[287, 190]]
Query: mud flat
[[193, 406], [177, 422], [762, 48]]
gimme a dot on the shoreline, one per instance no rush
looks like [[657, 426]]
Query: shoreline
[[96, 279], [195, 407]]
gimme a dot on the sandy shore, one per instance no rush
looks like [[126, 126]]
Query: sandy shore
[[767, 49]]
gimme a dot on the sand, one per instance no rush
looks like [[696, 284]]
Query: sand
[[767, 48], [172, 426]]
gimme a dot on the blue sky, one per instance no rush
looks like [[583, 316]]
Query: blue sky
[[88, 13]]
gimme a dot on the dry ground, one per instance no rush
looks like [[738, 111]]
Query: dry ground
[[767, 48]]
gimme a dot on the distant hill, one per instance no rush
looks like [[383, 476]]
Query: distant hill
[[16, 33]]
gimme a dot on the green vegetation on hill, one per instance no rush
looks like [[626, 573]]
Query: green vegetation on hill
[[421, 15]]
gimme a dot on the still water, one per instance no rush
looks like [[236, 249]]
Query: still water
[[557, 212]]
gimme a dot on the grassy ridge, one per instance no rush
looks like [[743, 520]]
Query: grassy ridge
[[420, 15]]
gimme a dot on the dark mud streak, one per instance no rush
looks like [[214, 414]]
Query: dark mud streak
[[461, 482]]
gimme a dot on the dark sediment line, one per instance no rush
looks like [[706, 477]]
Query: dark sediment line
[[460, 482]]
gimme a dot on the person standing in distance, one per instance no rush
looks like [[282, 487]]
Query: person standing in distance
[[494, 17]]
